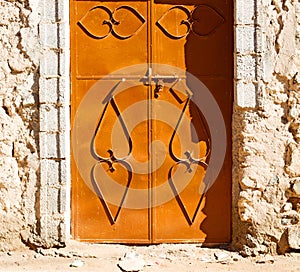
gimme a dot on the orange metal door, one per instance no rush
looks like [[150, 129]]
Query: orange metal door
[[141, 146]]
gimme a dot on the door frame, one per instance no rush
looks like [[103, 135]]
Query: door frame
[[54, 98]]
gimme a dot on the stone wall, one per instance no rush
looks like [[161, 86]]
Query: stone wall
[[266, 154], [19, 60], [34, 118]]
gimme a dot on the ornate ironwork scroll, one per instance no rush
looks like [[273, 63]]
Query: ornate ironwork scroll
[[111, 159], [188, 161], [202, 21], [110, 23]]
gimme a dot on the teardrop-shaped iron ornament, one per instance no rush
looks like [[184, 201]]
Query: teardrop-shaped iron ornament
[[111, 161], [203, 20], [190, 163], [99, 26]]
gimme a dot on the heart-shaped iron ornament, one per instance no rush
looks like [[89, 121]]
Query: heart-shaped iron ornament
[[203, 20], [111, 167], [123, 22], [102, 173], [170, 27], [189, 207]]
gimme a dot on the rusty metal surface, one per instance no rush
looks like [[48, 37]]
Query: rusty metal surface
[[196, 37]]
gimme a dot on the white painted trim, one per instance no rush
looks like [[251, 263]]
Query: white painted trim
[[67, 92], [54, 212], [246, 53]]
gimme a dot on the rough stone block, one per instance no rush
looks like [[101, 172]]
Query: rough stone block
[[53, 90], [54, 11], [48, 10], [18, 63], [293, 160], [48, 145], [50, 172], [245, 39], [49, 63], [295, 126], [49, 115], [245, 67], [53, 200], [267, 66], [296, 188], [63, 233], [245, 12], [53, 145], [28, 100], [9, 173], [293, 237], [62, 10], [63, 35], [30, 44], [48, 35], [62, 117], [6, 149], [260, 41], [246, 94], [49, 230], [48, 90]]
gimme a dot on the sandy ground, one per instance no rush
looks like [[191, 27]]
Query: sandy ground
[[163, 258]]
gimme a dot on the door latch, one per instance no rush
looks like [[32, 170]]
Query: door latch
[[158, 80], [158, 87]]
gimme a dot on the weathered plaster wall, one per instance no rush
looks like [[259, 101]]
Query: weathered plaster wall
[[19, 57], [34, 117], [266, 128]]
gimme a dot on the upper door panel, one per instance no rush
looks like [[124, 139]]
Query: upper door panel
[[109, 36]]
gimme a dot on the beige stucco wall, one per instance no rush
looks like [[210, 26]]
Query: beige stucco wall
[[34, 156], [19, 58], [266, 171], [34, 117]]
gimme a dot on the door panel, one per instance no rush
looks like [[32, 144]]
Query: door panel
[[101, 48], [178, 219], [168, 152], [95, 218], [201, 46]]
